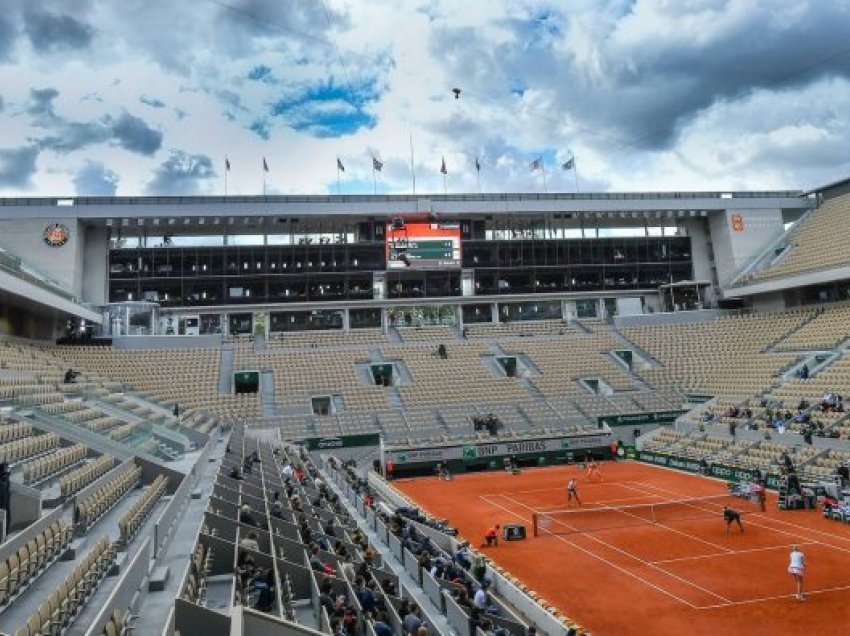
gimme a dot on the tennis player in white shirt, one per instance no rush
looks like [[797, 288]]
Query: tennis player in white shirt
[[797, 569]]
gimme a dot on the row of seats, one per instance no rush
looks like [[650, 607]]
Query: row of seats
[[43, 467], [130, 523], [118, 624], [198, 571], [12, 432], [31, 559], [59, 610], [81, 477], [23, 448], [818, 243], [95, 505]]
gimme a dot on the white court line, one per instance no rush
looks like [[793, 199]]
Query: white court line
[[599, 558], [636, 558], [712, 556], [773, 598], [556, 488], [590, 505]]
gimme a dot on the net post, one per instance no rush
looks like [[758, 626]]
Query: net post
[[534, 523]]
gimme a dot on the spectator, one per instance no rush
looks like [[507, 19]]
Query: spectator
[[316, 563], [381, 626], [411, 621], [250, 541], [277, 509], [365, 595], [246, 516]]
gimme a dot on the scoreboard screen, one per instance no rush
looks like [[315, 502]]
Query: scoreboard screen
[[422, 245]]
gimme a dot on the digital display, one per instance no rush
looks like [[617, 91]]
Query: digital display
[[422, 244]]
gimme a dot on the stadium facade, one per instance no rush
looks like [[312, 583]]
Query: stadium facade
[[236, 265]]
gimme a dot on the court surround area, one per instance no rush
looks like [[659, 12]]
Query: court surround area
[[675, 574]]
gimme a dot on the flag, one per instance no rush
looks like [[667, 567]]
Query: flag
[[227, 164], [537, 164], [569, 164], [265, 165], [339, 165], [443, 167], [477, 165], [377, 165]]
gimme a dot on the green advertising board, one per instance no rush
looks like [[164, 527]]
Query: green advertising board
[[639, 419], [695, 398], [342, 441], [721, 471]]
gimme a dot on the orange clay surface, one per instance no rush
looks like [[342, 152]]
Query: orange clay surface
[[680, 577]]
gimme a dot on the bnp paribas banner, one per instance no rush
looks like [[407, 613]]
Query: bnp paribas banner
[[473, 452]]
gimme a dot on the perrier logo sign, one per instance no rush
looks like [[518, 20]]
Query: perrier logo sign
[[402, 457], [470, 452], [565, 443]]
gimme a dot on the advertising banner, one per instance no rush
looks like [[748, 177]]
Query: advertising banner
[[476, 452]]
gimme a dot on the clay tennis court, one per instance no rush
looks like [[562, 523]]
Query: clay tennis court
[[678, 576]]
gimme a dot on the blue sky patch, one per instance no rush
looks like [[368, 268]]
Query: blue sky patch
[[329, 110]]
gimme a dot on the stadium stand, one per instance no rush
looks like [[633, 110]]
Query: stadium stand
[[805, 251]]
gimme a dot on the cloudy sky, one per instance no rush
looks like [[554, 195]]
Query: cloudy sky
[[99, 97]]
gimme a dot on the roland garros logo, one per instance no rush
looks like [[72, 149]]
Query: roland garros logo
[[56, 234]]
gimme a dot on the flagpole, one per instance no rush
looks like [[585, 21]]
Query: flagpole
[[543, 170], [338, 191], [226, 170], [575, 174], [374, 177], [445, 190], [412, 164], [478, 179]]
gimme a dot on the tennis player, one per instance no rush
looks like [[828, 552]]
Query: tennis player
[[593, 472], [731, 516], [572, 492], [797, 568]]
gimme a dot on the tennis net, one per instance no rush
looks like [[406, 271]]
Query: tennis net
[[591, 519]]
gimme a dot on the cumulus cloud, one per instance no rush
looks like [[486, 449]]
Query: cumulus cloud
[[52, 32], [182, 174], [95, 179], [135, 135], [41, 103], [647, 94], [17, 166]]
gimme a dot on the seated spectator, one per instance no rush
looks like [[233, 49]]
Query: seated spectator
[[381, 626], [411, 621], [263, 583], [246, 516], [463, 556], [365, 595], [249, 541], [277, 509], [316, 563], [234, 473]]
